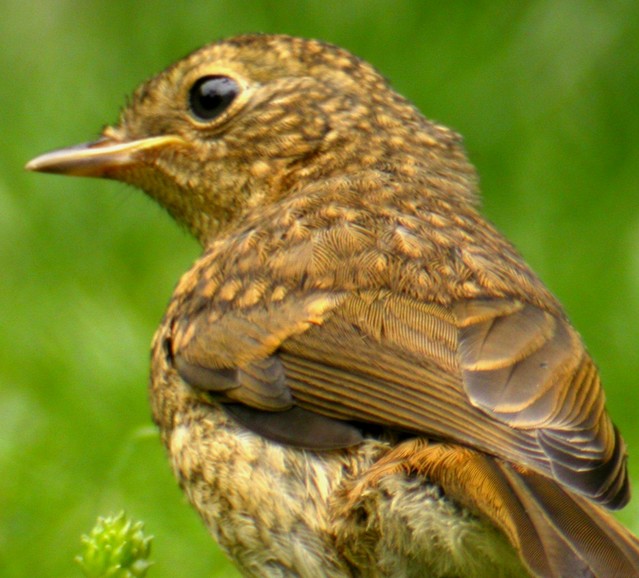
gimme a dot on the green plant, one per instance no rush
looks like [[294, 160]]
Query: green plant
[[116, 547]]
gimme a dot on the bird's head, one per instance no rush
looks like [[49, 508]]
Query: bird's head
[[245, 121]]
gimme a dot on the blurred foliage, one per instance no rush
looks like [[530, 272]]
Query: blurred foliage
[[545, 92]]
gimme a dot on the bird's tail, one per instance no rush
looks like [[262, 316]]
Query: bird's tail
[[560, 534], [557, 533]]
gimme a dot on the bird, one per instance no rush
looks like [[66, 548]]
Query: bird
[[359, 376]]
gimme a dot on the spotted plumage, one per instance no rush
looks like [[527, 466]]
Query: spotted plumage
[[359, 376]]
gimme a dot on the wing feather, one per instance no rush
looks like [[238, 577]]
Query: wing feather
[[499, 375]]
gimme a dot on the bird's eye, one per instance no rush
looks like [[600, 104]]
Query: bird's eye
[[211, 95]]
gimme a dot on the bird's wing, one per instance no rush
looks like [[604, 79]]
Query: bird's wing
[[498, 375]]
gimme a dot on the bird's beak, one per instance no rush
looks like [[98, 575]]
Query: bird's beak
[[101, 158]]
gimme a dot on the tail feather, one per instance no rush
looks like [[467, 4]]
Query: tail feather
[[579, 539]]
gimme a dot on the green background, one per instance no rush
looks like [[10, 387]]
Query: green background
[[546, 94]]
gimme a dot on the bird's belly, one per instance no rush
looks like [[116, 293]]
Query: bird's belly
[[268, 505], [280, 511]]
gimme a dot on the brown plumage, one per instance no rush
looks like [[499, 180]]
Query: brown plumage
[[360, 376]]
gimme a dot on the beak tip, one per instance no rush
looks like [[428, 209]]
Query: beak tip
[[86, 159], [46, 163], [32, 165], [52, 162]]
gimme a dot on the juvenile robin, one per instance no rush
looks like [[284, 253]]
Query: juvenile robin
[[359, 377]]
